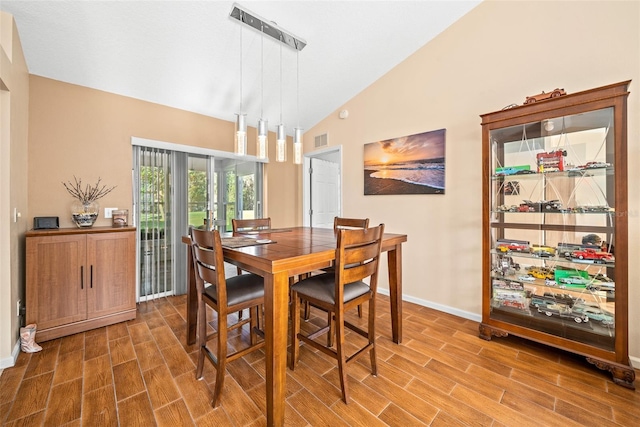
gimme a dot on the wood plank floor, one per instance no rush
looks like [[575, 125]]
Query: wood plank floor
[[140, 373]]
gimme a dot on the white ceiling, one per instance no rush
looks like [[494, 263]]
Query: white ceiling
[[186, 54]]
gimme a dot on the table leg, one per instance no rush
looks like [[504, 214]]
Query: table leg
[[276, 301], [394, 260], [192, 299]]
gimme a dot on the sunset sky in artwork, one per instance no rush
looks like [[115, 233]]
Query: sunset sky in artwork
[[427, 145]]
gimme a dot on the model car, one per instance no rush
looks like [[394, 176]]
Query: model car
[[574, 280], [506, 171], [542, 96], [543, 251], [591, 209], [551, 161], [507, 208], [595, 165], [550, 282], [602, 278], [543, 205], [541, 273], [526, 278], [563, 312], [595, 313], [593, 255], [601, 286], [565, 299], [566, 248], [512, 246], [540, 300], [524, 172]]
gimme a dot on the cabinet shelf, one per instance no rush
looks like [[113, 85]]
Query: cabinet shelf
[[555, 226]]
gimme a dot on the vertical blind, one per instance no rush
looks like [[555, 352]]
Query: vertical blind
[[154, 206]]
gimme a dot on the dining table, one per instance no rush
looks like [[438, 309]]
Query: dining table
[[277, 255]]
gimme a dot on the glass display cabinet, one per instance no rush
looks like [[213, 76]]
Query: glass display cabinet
[[555, 225]]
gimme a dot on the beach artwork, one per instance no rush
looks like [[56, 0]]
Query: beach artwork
[[411, 164]]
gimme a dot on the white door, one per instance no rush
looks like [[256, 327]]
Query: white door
[[325, 192]]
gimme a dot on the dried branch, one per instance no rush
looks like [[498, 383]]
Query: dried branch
[[89, 193]]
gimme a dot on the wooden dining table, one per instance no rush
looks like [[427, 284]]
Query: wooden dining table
[[291, 252]]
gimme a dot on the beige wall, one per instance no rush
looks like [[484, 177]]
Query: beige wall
[[14, 97], [494, 56], [84, 132]]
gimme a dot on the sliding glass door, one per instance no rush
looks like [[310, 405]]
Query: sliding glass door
[[173, 191]]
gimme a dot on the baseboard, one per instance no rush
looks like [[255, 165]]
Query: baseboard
[[10, 361], [444, 308]]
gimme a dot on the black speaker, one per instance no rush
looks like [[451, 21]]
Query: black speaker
[[45, 222]]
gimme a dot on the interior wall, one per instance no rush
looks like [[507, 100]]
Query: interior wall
[[14, 98], [496, 55], [83, 132]]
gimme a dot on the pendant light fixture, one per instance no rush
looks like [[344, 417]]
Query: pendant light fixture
[[268, 27], [281, 136], [297, 132], [240, 142], [262, 143]]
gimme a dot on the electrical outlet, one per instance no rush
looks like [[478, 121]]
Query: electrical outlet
[[18, 308], [108, 212]]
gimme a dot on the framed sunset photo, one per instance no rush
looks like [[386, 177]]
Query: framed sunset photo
[[411, 164]]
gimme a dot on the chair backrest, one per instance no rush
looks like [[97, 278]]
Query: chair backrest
[[208, 262], [349, 223], [357, 257], [250, 224]]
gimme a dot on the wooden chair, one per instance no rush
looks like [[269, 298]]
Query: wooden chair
[[357, 258], [339, 224], [244, 225], [224, 296]]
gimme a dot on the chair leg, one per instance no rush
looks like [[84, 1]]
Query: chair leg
[[254, 313], [307, 311], [342, 362], [332, 329], [360, 311], [202, 336], [221, 354], [295, 329], [371, 333]]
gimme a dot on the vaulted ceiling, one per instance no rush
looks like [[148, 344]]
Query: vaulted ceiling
[[188, 55]]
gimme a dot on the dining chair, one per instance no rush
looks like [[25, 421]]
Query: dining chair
[[224, 296], [248, 225], [340, 223], [357, 258]]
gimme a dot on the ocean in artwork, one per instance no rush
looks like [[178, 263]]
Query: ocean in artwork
[[410, 165], [428, 174]]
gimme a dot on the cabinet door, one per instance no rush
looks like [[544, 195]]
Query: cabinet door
[[56, 280], [111, 272]]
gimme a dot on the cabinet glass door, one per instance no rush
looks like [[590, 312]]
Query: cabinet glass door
[[552, 226]]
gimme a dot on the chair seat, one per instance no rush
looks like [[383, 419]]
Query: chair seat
[[322, 288], [242, 288]]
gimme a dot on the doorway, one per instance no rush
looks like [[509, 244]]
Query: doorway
[[322, 182]]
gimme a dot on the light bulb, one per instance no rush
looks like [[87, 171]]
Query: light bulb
[[281, 144]]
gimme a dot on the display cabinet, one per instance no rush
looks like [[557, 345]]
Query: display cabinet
[[555, 232]]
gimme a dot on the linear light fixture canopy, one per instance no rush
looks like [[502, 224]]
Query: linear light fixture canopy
[[270, 29]]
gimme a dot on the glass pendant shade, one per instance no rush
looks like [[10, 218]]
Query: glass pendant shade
[[281, 144], [240, 146], [262, 143], [297, 146]]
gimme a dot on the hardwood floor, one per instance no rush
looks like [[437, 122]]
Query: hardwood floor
[[140, 373]]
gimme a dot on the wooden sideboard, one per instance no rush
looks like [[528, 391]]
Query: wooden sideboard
[[79, 279]]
